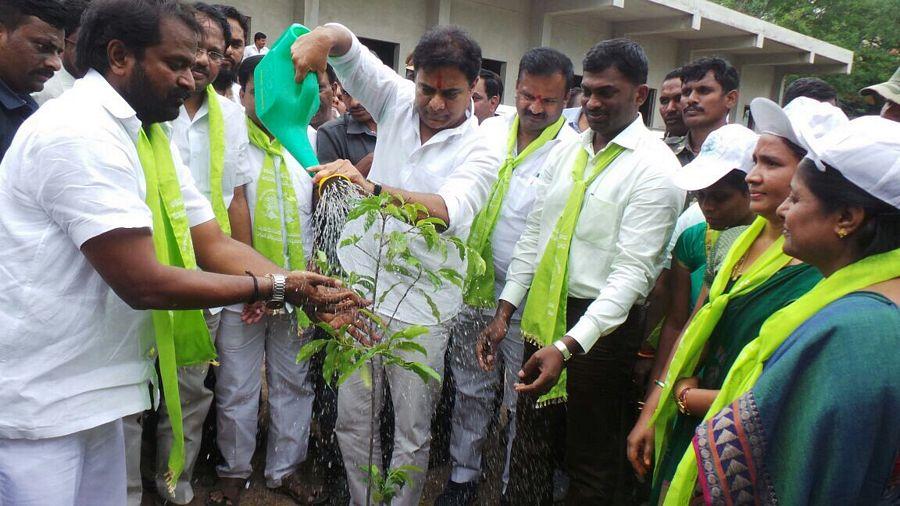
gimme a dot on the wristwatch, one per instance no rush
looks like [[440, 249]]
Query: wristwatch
[[561, 346], [276, 300]]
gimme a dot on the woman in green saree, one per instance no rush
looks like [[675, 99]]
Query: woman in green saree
[[809, 413], [755, 280]]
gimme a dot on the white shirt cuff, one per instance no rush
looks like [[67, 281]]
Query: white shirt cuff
[[513, 293], [585, 332]]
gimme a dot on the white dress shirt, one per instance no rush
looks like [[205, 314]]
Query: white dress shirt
[[191, 136], [455, 163], [61, 82], [620, 240], [520, 197], [73, 355], [252, 50], [303, 188]]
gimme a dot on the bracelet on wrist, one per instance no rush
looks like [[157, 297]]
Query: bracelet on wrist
[[681, 400], [255, 296]]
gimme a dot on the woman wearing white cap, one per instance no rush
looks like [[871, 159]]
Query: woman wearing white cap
[[809, 413], [755, 280]]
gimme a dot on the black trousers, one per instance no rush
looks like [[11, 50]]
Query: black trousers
[[592, 425]]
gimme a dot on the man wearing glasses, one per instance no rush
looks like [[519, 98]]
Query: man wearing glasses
[[211, 136], [31, 40]]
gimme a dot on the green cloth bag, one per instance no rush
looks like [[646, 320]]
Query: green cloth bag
[[544, 317], [777, 328], [687, 355], [478, 290], [268, 236], [182, 337]]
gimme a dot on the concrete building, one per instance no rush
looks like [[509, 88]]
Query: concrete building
[[672, 32]]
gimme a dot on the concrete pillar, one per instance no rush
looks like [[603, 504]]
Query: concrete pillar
[[307, 12], [438, 12]]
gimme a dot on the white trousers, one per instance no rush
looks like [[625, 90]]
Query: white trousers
[[86, 468], [238, 383], [473, 408], [414, 404]]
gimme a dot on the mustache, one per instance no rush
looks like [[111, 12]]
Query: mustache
[[692, 108]]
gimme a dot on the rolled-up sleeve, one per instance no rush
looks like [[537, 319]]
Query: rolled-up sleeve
[[646, 227], [373, 83]]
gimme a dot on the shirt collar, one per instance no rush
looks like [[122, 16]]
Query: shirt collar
[[355, 127], [95, 85], [629, 138], [12, 100]]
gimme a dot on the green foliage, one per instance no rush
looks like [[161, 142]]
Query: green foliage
[[396, 252], [870, 28]]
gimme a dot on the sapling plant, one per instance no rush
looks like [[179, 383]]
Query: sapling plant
[[369, 342]]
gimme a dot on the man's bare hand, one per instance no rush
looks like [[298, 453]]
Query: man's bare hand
[[320, 293], [540, 372], [253, 313], [310, 52], [341, 168], [489, 342]]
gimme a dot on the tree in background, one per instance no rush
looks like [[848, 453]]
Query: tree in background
[[870, 28]]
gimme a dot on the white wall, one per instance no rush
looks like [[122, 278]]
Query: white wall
[[268, 16], [756, 81]]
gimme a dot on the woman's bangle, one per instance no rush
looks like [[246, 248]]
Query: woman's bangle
[[681, 400], [255, 296]]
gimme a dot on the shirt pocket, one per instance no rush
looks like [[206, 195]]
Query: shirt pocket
[[598, 222]]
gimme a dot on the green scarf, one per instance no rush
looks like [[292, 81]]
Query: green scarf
[[687, 356], [777, 328], [268, 236], [544, 318], [182, 337], [217, 159], [479, 289]]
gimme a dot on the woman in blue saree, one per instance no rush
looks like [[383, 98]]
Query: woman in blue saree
[[810, 411]]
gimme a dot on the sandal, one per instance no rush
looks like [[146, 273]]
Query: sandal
[[300, 491], [228, 492]]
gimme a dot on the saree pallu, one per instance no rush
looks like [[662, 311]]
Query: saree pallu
[[740, 324], [821, 424]]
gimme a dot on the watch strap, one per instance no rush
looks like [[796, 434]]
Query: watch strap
[[561, 346]]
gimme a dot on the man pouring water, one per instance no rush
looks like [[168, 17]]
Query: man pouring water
[[428, 152]]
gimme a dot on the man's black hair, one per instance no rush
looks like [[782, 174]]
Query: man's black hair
[[259, 35], [245, 71], [216, 16], [725, 74], [14, 12], [546, 61], [493, 86], [625, 55], [674, 74], [134, 22], [448, 46], [232, 13], [736, 179], [811, 87], [329, 71], [74, 10]]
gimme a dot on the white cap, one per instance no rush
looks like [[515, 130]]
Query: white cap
[[866, 151], [725, 149], [803, 121]]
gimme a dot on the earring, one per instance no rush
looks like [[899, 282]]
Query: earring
[[841, 233]]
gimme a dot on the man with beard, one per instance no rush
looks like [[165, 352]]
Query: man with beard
[[524, 141], [226, 83], [670, 107], [31, 40], [430, 151], [350, 137], [595, 239], [211, 136], [100, 221], [65, 77], [709, 91]]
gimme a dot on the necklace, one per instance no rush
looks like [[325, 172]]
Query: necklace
[[738, 268]]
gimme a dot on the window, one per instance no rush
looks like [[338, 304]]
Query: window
[[387, 52]]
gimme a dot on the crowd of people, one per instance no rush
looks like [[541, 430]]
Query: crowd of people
[[703, 316]]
